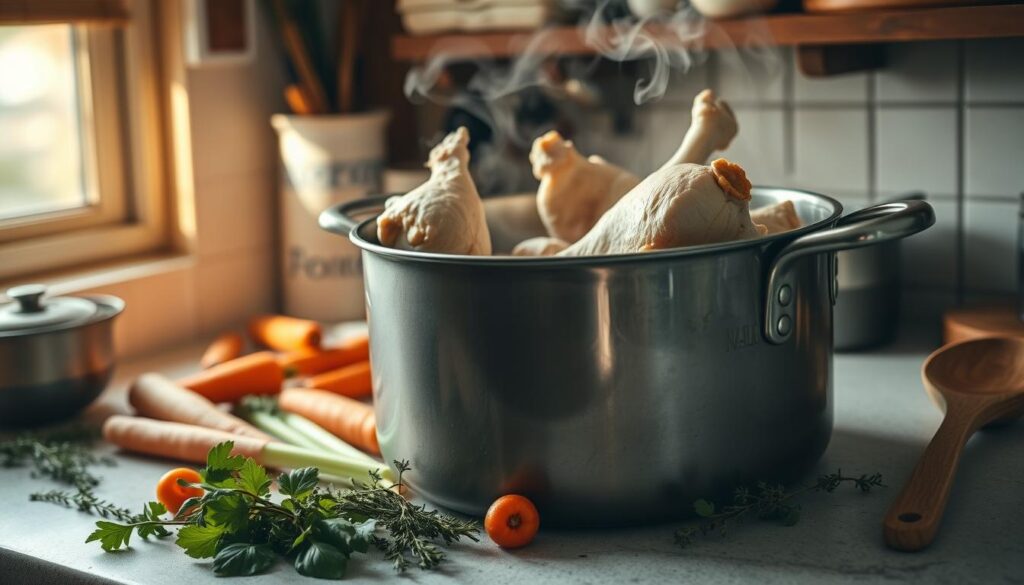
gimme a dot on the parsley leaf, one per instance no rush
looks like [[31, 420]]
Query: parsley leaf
[[152, 522], [230, 511], [220, 464], [199, 542], [346, 536], [321, 560], [243, 559], [112, 536], [299, 483], [252, 477]]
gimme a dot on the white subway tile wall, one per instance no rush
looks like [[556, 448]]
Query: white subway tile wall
[[831, 148], [946, 118], [915, 149], [994, 148]]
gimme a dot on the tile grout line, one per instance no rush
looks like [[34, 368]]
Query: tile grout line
[[961, 227], [789, 115]]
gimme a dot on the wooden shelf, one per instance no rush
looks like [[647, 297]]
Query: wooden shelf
[[922, 24]]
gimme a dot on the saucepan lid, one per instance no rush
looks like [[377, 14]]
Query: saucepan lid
[[31, 312]]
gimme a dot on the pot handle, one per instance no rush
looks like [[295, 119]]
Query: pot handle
[[867, 227], [338, 219]]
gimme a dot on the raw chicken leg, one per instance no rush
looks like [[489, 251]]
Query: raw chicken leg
[[574, 191], [444, 214], [678, 205], [712, 128], [777, 218]]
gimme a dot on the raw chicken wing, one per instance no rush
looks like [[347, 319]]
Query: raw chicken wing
[[443, 215]]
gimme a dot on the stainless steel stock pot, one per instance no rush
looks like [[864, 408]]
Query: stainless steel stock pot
[[611, 389]]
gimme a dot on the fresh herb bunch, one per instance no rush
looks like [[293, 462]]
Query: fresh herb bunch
[[236, 523], [769, 502]]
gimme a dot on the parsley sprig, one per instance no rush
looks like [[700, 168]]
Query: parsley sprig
[[237, 524]]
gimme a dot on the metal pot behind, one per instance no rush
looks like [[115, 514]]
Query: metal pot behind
[[607, 389], [53, 374]]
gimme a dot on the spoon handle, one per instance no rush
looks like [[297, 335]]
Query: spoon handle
[[913, 518]]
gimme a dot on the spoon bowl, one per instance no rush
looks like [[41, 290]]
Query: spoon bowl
[[977, 382]]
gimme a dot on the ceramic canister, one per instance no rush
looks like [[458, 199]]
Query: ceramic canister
[[325, 160]]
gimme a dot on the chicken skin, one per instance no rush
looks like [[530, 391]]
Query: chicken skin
[[574, 191], [678, 205], [443, 215]]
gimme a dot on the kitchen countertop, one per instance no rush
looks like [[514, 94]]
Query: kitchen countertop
[[883, 419]]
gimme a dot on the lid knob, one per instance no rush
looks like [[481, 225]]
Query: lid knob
[[29, 297]]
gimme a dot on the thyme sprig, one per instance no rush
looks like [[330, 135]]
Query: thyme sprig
[[766, 501], [411, 530], [62, 455]]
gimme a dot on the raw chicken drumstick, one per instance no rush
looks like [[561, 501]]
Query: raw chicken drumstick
[[777, 218], [443, 215], [678, 205], [574, 191], [712, 128]]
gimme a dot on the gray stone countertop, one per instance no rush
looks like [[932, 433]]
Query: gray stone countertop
[[883, 419]]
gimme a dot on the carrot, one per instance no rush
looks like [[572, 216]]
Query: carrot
[[171, 494], [353, 381], [191, 443], [224, 348], [174, 440], [155, 396], [310, 362], [284, 333], [256, 373], [350, 420]]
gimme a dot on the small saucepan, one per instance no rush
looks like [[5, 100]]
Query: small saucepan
[[56, 354]]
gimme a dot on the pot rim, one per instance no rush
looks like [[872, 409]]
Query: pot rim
[[108, 307], [559, 261]]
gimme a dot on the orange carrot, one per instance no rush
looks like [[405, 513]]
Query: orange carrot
[[353, 381], [256, 373], [284, 333], [310, 362], [174, 440], [225, 347], [352, 421], [155, 396]]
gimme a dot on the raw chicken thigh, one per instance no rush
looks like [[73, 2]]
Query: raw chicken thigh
[[678, 205], [712, 128], [443, 215], [574, 191], [777, 218]]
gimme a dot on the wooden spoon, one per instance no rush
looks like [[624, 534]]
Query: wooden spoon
[[978, 382]]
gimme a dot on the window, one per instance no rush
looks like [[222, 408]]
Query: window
[[80, 178]]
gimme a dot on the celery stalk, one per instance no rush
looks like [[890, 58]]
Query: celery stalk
[[281, 455], [276, 426], [324, 438]]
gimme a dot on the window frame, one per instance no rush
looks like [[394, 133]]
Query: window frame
[[122, 155]]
